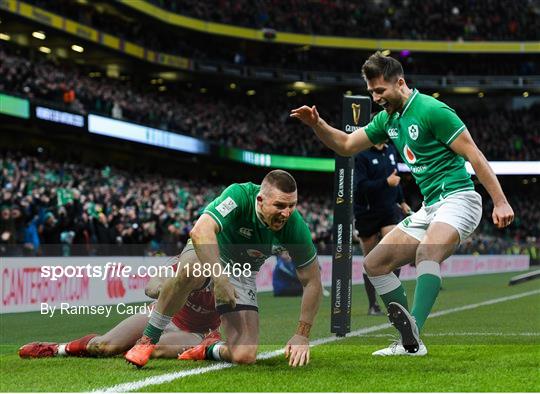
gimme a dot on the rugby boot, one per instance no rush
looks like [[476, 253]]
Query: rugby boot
[[38, 350], [139, 354], [199, 352], [397, 349], [402, 320]]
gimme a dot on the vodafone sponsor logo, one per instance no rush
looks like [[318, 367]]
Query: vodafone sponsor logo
[[25, 286], [409, 155]]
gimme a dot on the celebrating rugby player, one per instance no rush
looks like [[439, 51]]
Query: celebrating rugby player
[[434, 142], [234, 236]]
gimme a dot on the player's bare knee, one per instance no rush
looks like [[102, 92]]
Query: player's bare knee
[[244, 356], [376, 268]]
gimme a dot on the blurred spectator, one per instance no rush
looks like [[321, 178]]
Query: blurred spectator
[[231, 118], [109, 211], [394, 19]]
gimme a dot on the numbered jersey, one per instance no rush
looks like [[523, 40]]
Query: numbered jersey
[[422, 134], [199, 313], [243, 238]]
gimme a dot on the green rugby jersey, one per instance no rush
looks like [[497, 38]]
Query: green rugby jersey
[[244, 238], [422, 133]]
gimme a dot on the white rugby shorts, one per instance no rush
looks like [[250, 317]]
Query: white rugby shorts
[[462, 210]]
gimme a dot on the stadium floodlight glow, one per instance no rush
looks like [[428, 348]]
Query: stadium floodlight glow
[[525, 94], [499, 167], [53, 115], [251, 92], [348, 93], [465, 89], [481, 94], [203, 90], [39, 35], [145, 135], [232, 85], [300, 85], [436, 94], [162, 88], [291, 94], [386, 52], [44, 49], [5, 37], [77, 48], [305, 91]]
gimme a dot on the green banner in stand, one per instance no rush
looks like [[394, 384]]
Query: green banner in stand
[[14, 106], [322, 164]]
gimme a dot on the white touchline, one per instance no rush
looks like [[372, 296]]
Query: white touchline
[[168, 377], [465, 334]]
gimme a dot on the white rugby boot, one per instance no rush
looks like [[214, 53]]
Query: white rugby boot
[[402, 320], [397, 349]]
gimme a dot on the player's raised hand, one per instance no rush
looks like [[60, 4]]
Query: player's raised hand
[[224, 292], [297, 351], [307, 115], [503, 214]]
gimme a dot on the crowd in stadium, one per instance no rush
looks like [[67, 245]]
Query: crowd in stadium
[[447, 20], [238, 122], [223, 50], [55, 208], [64, 204]]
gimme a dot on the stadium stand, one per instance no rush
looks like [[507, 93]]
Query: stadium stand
[[448, 20], [52, 207], [219, 119], [204, 47]]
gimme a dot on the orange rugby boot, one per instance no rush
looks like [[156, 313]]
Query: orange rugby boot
[[199, 352], [139, 354]]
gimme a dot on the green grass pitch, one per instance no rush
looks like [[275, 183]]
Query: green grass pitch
[[487, 348]]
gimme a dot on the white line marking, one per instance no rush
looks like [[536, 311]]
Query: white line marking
[[464, 334], [159, 379]]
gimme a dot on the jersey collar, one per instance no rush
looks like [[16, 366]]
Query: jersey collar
[[409, 102]]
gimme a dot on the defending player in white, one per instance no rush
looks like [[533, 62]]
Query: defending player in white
[[434, 143]]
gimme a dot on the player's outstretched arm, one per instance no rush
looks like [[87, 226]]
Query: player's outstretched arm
[[464, 146], [204, 237], [297, 349], [340, 142]]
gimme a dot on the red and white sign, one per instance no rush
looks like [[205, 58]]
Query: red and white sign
[[23, 287]]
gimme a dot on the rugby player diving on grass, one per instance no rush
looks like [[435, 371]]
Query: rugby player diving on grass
[[233, 237], [191, 323], [434, 143]]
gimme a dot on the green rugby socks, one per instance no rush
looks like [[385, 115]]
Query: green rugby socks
[[213, 351], [428, 285], [390, 289], [156, 325]]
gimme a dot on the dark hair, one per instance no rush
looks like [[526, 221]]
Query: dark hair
[[378, 64], [281, 180]]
